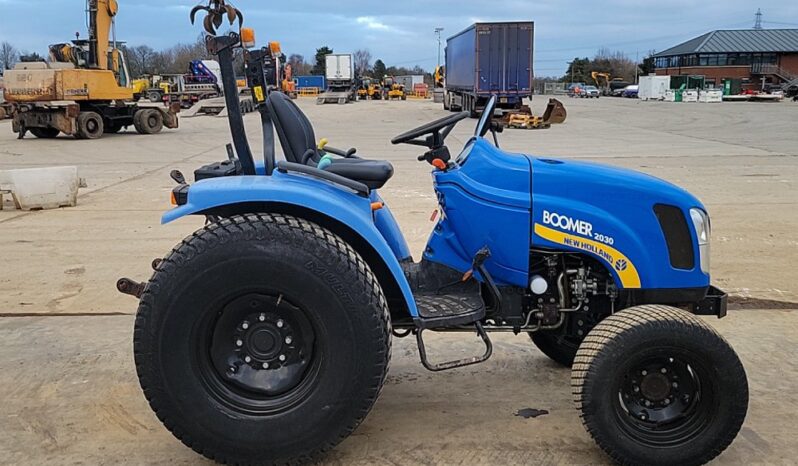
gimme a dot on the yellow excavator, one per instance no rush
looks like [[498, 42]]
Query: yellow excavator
[[84, 90], [602, 81]]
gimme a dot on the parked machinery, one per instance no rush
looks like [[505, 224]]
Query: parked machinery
[[84, 90], [392, 90], [339, 72], [488, 59]]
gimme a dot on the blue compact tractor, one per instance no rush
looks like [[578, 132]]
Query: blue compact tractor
[[265, 336]]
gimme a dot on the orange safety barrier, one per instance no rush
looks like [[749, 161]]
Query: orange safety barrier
[[308, 91]]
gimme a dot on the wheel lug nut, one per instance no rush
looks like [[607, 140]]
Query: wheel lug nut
[[265, 365], [644, 372], [239, 343], [280, 323], [664, 370], [233, 369], [282, 357], [262, 317], [247, 359], [288, 340], [666, 401], [245, 325], [648, 403], [637, 389]]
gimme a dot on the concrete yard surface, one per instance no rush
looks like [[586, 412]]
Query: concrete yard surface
[[70, 392]]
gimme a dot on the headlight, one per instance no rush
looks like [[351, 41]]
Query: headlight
[[702, 229]]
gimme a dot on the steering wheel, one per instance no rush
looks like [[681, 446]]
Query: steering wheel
[[437, 131]]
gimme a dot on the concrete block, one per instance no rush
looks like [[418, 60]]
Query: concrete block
[[42, 188]]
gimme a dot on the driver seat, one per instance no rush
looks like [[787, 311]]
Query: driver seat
[[299, 145]]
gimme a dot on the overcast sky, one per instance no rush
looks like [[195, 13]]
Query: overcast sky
[[401, 32]]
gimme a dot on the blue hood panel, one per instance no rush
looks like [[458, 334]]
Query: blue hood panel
[[608, 213]]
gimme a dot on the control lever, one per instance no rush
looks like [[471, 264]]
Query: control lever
[[478, 264]]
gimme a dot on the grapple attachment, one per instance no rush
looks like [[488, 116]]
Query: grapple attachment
[[217, 12]]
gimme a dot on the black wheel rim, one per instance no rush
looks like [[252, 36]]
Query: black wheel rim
[[92, 125], [665, 399], [152, 121], [257, 354]]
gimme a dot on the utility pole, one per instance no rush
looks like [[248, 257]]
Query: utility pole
[[758, 22], [438, 31]]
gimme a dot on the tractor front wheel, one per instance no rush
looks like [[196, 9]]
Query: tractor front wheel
[[262, 339], [656, 385]]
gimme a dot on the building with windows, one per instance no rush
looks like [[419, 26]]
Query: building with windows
[[756, 57]]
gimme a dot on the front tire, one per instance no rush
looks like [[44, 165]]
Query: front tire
[[90, 126], [656, 385], [262, 339]]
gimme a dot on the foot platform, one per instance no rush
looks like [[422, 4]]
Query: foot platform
[[440, 311]]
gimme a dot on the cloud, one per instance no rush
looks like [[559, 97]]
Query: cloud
[[371, 23]]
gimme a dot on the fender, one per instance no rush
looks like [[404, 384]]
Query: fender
[[303, 192]]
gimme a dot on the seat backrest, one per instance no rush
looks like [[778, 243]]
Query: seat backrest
[[293, 128]]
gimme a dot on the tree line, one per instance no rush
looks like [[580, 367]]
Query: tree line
[[144, 60], [614, 63], [363, 63]]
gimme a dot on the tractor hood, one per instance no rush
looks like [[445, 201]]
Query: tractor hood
[[639, 226]]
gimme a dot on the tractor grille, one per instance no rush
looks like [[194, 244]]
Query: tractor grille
[[677, 236]]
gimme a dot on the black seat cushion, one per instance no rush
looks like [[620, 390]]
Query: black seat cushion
[[372, 173], [297, 139]]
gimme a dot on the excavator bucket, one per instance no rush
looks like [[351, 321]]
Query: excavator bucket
[[555, 113]]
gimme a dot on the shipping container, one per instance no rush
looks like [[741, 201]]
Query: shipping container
[[489, 59], [304, 82]]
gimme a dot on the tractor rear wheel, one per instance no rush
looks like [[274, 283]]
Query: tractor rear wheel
[[90, 126], [656, 385], [262, 339], [45, 133]]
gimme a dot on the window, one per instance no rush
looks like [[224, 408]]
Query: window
[[721, 59], [703, 60]]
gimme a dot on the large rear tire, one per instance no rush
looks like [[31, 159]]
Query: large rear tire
[[656, 385], [45, 133], [262, 339]]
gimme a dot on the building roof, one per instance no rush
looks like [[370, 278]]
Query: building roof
[[734, 41]]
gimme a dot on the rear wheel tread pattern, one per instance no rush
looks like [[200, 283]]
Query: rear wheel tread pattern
[[630, 321], [221, 232]]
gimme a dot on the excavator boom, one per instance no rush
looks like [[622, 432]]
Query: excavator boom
[[101, 18]]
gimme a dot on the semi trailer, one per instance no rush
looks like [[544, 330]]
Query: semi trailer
[[489, 59]]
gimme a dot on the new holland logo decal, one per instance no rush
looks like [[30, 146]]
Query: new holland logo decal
[[624, 267]]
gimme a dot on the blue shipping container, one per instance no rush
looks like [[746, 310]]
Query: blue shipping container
[[303, 82], [490, 59]]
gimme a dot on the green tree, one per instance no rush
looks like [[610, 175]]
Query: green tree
[[379, 70], [578, 71], [318, 68]]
